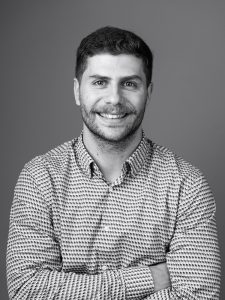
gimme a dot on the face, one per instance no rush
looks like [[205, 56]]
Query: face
[[112, 95]]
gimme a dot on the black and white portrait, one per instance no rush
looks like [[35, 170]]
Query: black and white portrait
[[112, 153]]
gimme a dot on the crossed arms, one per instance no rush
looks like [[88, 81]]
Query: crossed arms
[[35, 262]]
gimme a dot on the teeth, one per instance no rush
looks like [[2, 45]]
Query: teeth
[[109, 116]]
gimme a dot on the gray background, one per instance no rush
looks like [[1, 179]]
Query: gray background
[[38, 42]]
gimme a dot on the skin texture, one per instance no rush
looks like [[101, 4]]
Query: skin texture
[[161, 276], [113, 85], [112, 95]]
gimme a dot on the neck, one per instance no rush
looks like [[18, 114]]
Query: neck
[[110, 156]]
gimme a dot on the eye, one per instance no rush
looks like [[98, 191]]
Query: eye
[[130, 84], [99, 83]]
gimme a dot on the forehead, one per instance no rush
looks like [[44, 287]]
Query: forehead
[[106, 64]]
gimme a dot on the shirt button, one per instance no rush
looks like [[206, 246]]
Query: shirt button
[[106, 228], [104, 268], [110, 188]]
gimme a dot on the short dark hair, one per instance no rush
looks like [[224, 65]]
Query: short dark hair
[[114, 41]]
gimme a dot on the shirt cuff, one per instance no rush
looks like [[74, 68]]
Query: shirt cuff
[[138, 282]]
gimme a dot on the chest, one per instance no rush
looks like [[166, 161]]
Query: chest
[[129, 222]]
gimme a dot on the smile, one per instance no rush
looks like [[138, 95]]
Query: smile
[[112, 116]]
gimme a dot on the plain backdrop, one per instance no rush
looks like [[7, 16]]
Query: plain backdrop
[[186, 113]]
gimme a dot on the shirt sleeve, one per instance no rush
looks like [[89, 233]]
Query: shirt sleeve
[[34, 261], [193, 259]]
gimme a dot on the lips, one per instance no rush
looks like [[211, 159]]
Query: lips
[[112, 116]]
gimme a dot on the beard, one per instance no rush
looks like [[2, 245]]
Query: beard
[[113, 133]]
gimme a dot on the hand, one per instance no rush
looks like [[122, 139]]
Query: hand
[[161, 276]]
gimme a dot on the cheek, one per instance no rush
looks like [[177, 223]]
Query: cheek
[[139, 103], [85, 99], [90, 95]]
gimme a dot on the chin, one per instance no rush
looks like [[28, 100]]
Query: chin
[[112, 134], [114, 137]]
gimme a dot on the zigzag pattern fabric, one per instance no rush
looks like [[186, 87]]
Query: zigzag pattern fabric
[[75, 236]]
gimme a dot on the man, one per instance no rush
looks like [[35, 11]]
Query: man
[[110, 214]]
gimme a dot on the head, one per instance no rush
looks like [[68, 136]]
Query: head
[[114, 41], [113, 83]]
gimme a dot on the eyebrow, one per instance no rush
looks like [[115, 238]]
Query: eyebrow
[[96, 76], [125, 78]]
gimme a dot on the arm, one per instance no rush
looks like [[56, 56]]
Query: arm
[[34, 262], [193, 260]]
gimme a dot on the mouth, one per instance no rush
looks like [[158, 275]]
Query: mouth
[[112, 116]]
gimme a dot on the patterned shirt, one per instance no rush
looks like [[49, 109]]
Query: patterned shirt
[[73, 235]]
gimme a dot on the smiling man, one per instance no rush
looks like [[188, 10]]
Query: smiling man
[[112, 95], [110, 214]]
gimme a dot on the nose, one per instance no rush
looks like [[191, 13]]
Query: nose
[[114, 96]]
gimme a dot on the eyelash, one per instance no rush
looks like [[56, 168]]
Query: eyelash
[[102, 82], [99, 82], [130, 84]]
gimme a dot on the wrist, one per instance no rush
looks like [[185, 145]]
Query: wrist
[[161, 277]]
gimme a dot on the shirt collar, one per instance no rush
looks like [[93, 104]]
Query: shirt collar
[[135, 162], [138, 157], [84, 159]]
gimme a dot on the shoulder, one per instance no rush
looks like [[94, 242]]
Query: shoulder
[[51, 162], [179, 177], [169, 162]]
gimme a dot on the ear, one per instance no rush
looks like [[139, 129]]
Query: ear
[[150, 89], [76, 89]]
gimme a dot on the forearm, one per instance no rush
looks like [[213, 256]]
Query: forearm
[[50, 284], [194, 268], [129, 283], [138, 282], [35, 263], [193, 259], [35, 271]]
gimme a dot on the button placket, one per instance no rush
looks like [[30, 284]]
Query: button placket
[[105, 224]]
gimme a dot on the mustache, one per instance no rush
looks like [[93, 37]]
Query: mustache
[[117, 110]]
